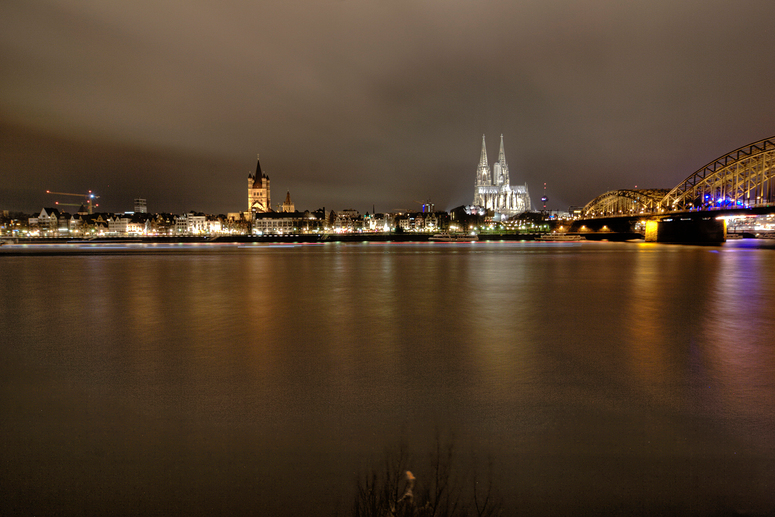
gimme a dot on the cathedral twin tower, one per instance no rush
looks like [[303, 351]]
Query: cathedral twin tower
[[492, 190]]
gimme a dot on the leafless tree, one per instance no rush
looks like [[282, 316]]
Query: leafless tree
[[439, 487]]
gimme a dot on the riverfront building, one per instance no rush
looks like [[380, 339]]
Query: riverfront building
[[492, 188]]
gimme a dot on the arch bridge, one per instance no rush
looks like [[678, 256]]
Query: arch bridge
[[741, 179], [625, 202], [739, 182]]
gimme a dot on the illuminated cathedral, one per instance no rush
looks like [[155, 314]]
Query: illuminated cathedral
[[492, 189]]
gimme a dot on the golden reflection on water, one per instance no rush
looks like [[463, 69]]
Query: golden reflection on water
[[657, 279]]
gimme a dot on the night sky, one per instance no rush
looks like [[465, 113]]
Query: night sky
[[373, 103]]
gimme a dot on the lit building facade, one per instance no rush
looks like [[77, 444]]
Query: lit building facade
[[277, 223], [259, 200], [493, 190]]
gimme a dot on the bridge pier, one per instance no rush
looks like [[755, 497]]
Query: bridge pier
[[687, 230]]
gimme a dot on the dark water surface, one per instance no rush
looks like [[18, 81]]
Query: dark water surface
[[601, 378]]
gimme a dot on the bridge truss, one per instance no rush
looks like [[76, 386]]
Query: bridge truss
[[625, 202], [743, 178]]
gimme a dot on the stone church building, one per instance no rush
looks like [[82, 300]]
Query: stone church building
[[493, 190], [258, 191]]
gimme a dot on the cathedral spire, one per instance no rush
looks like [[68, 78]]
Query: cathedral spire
[[502, 154], [483, 159]]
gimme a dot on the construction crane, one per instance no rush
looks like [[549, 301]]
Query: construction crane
[[89, 199]]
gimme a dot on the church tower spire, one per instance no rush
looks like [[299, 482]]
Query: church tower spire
[[259, 173], [483, 175], [504, 167], [483, 159]]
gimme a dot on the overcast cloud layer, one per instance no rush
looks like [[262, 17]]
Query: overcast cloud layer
[[354, 104]]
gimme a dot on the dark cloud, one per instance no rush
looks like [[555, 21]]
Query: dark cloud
[[363, 103]]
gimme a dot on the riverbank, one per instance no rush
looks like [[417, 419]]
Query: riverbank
[[276, 238], [118, 245]]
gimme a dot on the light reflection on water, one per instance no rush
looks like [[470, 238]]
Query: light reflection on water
[[602, 377]]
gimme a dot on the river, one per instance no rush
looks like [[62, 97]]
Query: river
[[596, 378]]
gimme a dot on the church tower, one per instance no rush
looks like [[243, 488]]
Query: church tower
[[288, 205], [483, 170], [258, 191], [500, 171], [484, 189]]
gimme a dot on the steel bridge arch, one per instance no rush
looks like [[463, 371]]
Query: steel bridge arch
[[741, 178], [624, 202]]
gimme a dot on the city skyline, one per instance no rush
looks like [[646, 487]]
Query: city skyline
[[361, 105]]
